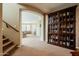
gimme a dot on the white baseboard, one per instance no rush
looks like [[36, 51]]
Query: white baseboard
[[77, 48]]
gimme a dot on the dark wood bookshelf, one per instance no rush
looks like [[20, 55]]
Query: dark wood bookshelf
[[62, 28]]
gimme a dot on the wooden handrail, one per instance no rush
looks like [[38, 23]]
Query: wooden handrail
[[10, 26]]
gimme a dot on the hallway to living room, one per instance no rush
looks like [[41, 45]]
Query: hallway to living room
[[31, 25]]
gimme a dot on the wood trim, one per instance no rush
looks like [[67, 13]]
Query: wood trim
[[10, 26], [75, 53]]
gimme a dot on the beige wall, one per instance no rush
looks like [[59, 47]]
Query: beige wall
[[0, 28], [11, 14], [77, 27], [46, 27], [0, 9]]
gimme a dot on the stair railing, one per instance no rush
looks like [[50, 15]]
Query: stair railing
[[8, 25]]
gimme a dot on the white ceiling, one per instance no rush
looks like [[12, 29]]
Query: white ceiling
[[49, 7]]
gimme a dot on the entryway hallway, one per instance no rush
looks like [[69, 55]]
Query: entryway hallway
[[34, 47], [51, 31]]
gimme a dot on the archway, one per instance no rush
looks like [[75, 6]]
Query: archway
[[32, 27]]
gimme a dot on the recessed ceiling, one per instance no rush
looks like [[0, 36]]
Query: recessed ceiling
[[49, 7]]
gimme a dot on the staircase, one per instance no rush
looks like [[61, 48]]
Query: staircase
[[8, 46]]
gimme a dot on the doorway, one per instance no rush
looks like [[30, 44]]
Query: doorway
[[32, 27]]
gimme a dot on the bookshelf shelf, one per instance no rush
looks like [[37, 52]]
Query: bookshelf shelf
[[61, 28]]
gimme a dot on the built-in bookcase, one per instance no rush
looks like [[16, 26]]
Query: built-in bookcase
[[61, 28]]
